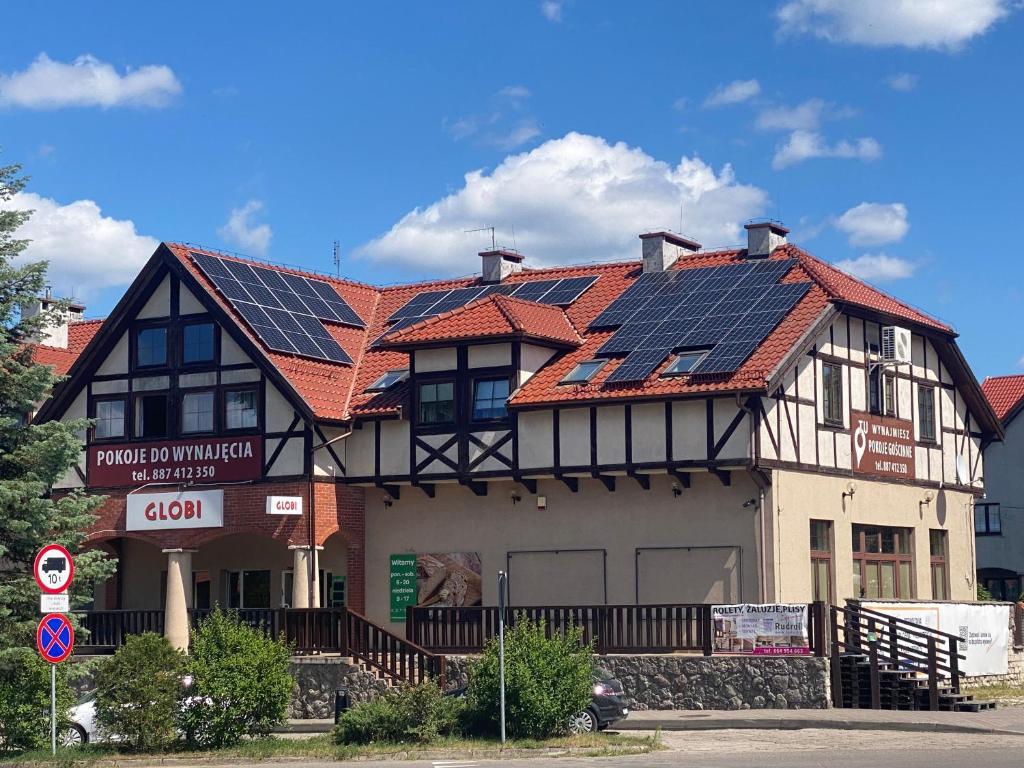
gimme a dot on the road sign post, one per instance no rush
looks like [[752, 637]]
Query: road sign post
[[502, 589], [53, 570]]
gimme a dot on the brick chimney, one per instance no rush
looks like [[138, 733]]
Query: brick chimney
[[499, 264], [55, 333], [662, 249], [763, 237]]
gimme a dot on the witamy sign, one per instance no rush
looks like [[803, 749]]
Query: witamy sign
[[883, 446], [210, 460], [175, 511]]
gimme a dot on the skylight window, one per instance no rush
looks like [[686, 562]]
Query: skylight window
[[684, 362], [388, 380], [583, 372]]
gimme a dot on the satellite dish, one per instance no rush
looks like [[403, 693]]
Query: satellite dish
[[962, 475]]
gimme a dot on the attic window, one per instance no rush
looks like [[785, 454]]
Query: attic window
[[683, 363], [583, 372], [388, 380]]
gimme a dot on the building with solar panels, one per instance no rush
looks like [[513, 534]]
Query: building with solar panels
[[743, 425]]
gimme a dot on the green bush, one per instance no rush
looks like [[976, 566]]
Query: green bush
[[138, 690], [240, 683], [25, 700], [547, 681], [415, 714]]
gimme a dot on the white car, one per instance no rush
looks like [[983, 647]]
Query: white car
[[82, 729]]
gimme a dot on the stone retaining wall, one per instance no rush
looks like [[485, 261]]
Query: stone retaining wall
[[316, 680]]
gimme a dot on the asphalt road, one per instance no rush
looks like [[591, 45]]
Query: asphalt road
[[786, 749]]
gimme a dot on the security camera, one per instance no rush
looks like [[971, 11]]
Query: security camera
[[749, 503]]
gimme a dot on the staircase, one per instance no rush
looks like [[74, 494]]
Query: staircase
[[885, 662]]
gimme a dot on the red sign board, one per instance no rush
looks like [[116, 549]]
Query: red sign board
[[55, 639], [53, 569], [882, 445], [211, 460]]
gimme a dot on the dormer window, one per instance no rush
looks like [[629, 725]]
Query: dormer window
[[490, 399], [388, 380], [151, 347], [583, 372], [683, 363]]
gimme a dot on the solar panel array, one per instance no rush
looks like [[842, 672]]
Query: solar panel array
[[430, 303], [286, 311], [729, 309]]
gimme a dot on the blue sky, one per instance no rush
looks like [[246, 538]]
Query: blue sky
[[885, 136]]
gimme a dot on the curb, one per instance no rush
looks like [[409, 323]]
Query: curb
[[793, 724]]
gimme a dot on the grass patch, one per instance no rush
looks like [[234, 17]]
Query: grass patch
[[1000, 692], [320, 747]]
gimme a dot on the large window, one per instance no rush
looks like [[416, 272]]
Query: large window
[[151, 416], [110, 419], [938, 546], [197, 410], [926, 413], [248, 589], [197, 343], [151, 347], [883, 562], [821, 560], [988, 519], [1003, 584], [832, 393], [240, 409], [490, 399], [437, 402]]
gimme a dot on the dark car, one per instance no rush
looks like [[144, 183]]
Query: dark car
[[607, 706]]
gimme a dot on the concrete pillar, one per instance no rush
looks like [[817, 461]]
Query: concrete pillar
[[179, 596], [301, 572]]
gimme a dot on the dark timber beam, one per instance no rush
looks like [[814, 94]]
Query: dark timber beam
[[572, 483], [724, 475], [477, 487], [427, 488], [643, 479], [393, 491], [683, 478], [529, 483], [607, 480]]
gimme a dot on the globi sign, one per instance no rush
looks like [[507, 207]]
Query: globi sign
[[55, 638], [53, 569]]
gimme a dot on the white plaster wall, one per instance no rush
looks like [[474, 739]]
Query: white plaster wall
[[611, 434], [531, 359], [394, 447], [689, 431], [443, 359], [278, 411], [188, 304], [290, 460], [573, 431], [648, 432], [489, 355], [159, 304], [117, 361], [535, 443]]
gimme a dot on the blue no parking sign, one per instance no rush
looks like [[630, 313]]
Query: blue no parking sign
[[55, 638]]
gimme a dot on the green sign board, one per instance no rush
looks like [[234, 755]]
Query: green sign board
[[403, 584]]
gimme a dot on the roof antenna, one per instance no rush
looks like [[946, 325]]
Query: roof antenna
[[337, 259], [514, 248], [494, 247]]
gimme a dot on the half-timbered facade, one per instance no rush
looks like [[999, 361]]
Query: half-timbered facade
[[502, 428]]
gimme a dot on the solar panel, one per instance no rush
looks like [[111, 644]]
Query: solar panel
[[286, 311], [727, 309], [429, 303]]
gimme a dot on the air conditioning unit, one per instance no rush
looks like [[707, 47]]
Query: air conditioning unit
[[895, 344]]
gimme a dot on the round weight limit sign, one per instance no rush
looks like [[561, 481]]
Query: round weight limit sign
[[53, 569]]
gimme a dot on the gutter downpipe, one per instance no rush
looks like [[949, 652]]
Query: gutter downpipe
[[762, 481], [314, 559]]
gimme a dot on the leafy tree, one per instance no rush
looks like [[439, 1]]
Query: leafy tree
[[25, 700], [32, 456]]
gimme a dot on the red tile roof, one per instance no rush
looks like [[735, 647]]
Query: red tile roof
[[490, 318], [79, 335], [1004, 394], [338, 392]]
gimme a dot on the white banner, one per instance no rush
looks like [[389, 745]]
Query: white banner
[[983, 628], [762, 630], [174, 511], [284, 505]]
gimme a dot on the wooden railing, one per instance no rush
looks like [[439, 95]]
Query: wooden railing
[[889, 642], [664, 628], [108, 629], [1018, 624], [306, 630], [390, 654]]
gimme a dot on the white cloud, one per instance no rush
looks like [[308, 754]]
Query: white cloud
[[680, 104], [520, 133], [515, 95], [878, 266], [507, 126], [874, 223], [733, 93], [577, 198], [904, 82], [552, 10], [87, 251], [941, 24], [806, 145], [86, 82], [806, 116], [241, 230]]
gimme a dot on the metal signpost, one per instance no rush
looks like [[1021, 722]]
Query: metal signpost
[[53, 570], [502, 588]]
